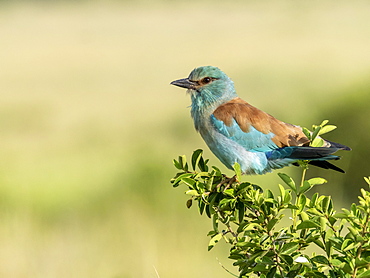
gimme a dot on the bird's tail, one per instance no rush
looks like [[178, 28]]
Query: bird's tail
[[313, 153], [303, 153], [337, 146], [326, 165], [316, 156]]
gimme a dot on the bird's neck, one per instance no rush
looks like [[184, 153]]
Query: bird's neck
[[203, 108], [200, 116]]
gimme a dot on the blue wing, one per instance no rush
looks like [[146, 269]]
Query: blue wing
[[253, 140]]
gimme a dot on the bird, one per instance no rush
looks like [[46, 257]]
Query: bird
[[237, 132]]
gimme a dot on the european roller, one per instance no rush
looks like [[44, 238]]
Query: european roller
[[236, 131]]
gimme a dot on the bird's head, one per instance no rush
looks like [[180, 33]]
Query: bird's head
[[208, 86]]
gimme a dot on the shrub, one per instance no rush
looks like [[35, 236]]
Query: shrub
[[250, 220]]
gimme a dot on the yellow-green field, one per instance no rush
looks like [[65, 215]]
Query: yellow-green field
[[89, 124]]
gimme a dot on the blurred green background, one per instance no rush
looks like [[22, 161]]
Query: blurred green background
[[90, 125]]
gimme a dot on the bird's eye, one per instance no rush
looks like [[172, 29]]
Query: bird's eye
[[206, 80]]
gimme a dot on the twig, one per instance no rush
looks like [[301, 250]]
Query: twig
[[228, 271], [156, 272]]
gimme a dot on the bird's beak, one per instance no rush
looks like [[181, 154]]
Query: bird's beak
[[184, 83]]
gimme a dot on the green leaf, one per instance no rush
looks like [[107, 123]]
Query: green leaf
[[203, 164], [336, 262], [230, 192], [241, 211], [354, 209], [305, 187], [329, 234], [326, 129], [321, 260], [215, 222], [347, 268], [316, 181], [238, 171], [365, 274], [201, 206], [209, 183], [361, 262], [317, 142], [214, 241], [324, 122], [302, 200], [323, 222], [192, 193], [346, 243], [247, 226], [269, 194], [288, 181], [271, 224], [226, 204], [195, 158], [328, 248], [213, 197], [180, 177], [287, 197], [209, 211], [319, 243], [332, 220], [315, 133], [244, 244], [260, 268], [340, 215], [314, 199], [314, 211], [306, 132], [307, 224], [202, 175], [243, 187], [290, 206], [282, 191], [304, 216], [326, 204], [351, 246], [177, 164], [212, 233], [287, 259], [271, 273], [367, 179], [188, 181], [289, 248], [182, 162], [218, 172]]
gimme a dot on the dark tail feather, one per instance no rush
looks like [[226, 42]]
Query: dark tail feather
[[324, 164], [318, 156], [338, 146], [312, 153]]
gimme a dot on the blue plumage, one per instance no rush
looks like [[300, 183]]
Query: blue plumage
[[253, 140], [235, 131]]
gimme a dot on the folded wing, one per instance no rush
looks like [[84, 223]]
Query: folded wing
[[254, 129]]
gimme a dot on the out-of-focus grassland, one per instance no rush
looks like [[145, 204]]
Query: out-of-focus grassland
[[89, 124]]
